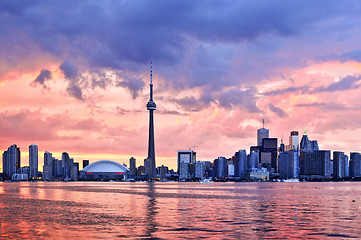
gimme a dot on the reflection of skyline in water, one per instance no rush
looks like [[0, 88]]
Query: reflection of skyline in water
[[180, 210]]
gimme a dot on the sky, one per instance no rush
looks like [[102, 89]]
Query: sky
[[74, 76]]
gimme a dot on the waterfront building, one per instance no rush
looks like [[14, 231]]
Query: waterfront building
[[253, 160], [104, 170], [33, 161], [339, 170], [151, 106], [65, 165], [316, 164], [257, 174], [85, 163], [220, 168], [59, 168], [346, 164], [288, 164], [141, 171], [11, 161], [200, 169], [240, 164], [355, 164], [269, 153], [163, 171], [185, 159], [47, 173], [132, 167], [230, 170], [74, 171]]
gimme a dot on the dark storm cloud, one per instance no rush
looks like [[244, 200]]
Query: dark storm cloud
[[286, 90], [346, 83], [277, 110], [244, 99], [193, 104], [194, 43], [133, 84], [42, 77], [72, 74]]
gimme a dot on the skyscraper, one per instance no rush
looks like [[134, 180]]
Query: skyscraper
[[288, 164], [261, 134], [151, 106], [65, 166], [294, 140], [339, 165], [33, 161], [11, 161], [355, 164], [185, 158], [132, 168], [240, 164]]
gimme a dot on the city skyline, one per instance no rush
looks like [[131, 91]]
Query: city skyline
[[79, 84]]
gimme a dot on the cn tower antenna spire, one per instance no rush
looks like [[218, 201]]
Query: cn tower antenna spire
[[151, 73]]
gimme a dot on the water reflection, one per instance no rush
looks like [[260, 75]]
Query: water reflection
[[179, 210], [151, 211]]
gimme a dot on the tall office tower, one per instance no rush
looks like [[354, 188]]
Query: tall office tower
[[48, 158], [269, 153], [338, 164], [5, 162], [85, 163], [240, 164], [355, 164], [200, 169], [220, 167], [11, 161], [33, 161], [185, 158], [253, 160], [74, 171], [307, 145], [288, 164], [294, 140], [316, 163], [346, 164], [54, 167], [132, 167], [151, 106], [261, 134], [65, 164]]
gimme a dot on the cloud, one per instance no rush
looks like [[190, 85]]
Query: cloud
[[133, 84], [277, 110], [42, 77], [243, 99], [72, 74], [346, 83], [286, 90], [192, 104]]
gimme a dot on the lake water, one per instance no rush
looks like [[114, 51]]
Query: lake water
[[111, 210]]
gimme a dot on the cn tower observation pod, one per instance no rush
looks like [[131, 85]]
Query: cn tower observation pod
[[104, 170]]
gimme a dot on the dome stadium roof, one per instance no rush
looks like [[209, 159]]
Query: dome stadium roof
[[105, 166]]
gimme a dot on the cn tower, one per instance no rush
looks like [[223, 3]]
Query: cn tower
[[151, 106]]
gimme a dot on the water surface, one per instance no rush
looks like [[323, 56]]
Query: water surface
[[110, 210]]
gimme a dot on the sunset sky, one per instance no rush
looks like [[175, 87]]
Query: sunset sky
[[74, 76]]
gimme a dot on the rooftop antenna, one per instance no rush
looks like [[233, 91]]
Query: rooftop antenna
[[263, 122]]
